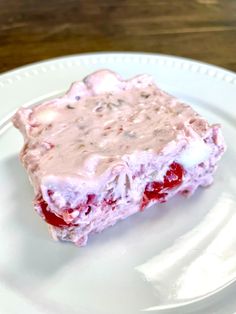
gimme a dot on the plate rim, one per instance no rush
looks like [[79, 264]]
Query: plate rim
[[226, 75]]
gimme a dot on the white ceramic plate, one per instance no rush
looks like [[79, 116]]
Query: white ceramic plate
[[166, 257]]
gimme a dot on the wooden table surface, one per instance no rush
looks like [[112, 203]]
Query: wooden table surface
[[33, 30]]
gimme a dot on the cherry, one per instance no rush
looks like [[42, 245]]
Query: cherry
[[50, 217], [58, 221], [173, 176], [158, 190]]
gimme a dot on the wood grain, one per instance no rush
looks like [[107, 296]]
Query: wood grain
[[33, 30]]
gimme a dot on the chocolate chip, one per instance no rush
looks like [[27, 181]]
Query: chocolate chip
[[69, 107]]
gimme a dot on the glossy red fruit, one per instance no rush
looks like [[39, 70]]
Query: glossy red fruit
[[57, 221], [174, 176], [158, 190], [50, 217]]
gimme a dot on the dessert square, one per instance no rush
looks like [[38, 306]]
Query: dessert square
[[110, 148]]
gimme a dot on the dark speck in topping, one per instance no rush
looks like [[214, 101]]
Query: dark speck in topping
[[120, 102], [120, 130], [191, 121], [179, 126], [109, 106], [113, 105], [88, 210], [145, 95], [130, 134], [159, 132], [49, 145], [77, 97], [81, 146], [48, 126], [99, 109], [70, 107]]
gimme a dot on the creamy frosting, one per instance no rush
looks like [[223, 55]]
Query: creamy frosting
[[103, 118]]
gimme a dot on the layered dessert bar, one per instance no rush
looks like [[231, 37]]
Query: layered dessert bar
[[111, 147]]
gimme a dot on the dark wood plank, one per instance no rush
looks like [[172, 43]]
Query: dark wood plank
[[33, 30]]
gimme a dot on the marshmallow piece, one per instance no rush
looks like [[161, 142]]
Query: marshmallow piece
[[194, 154], [46, 116]]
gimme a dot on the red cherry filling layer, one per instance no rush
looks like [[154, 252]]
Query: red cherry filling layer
[[58, 221], [50, 217], [154, 191], [158, 190]]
